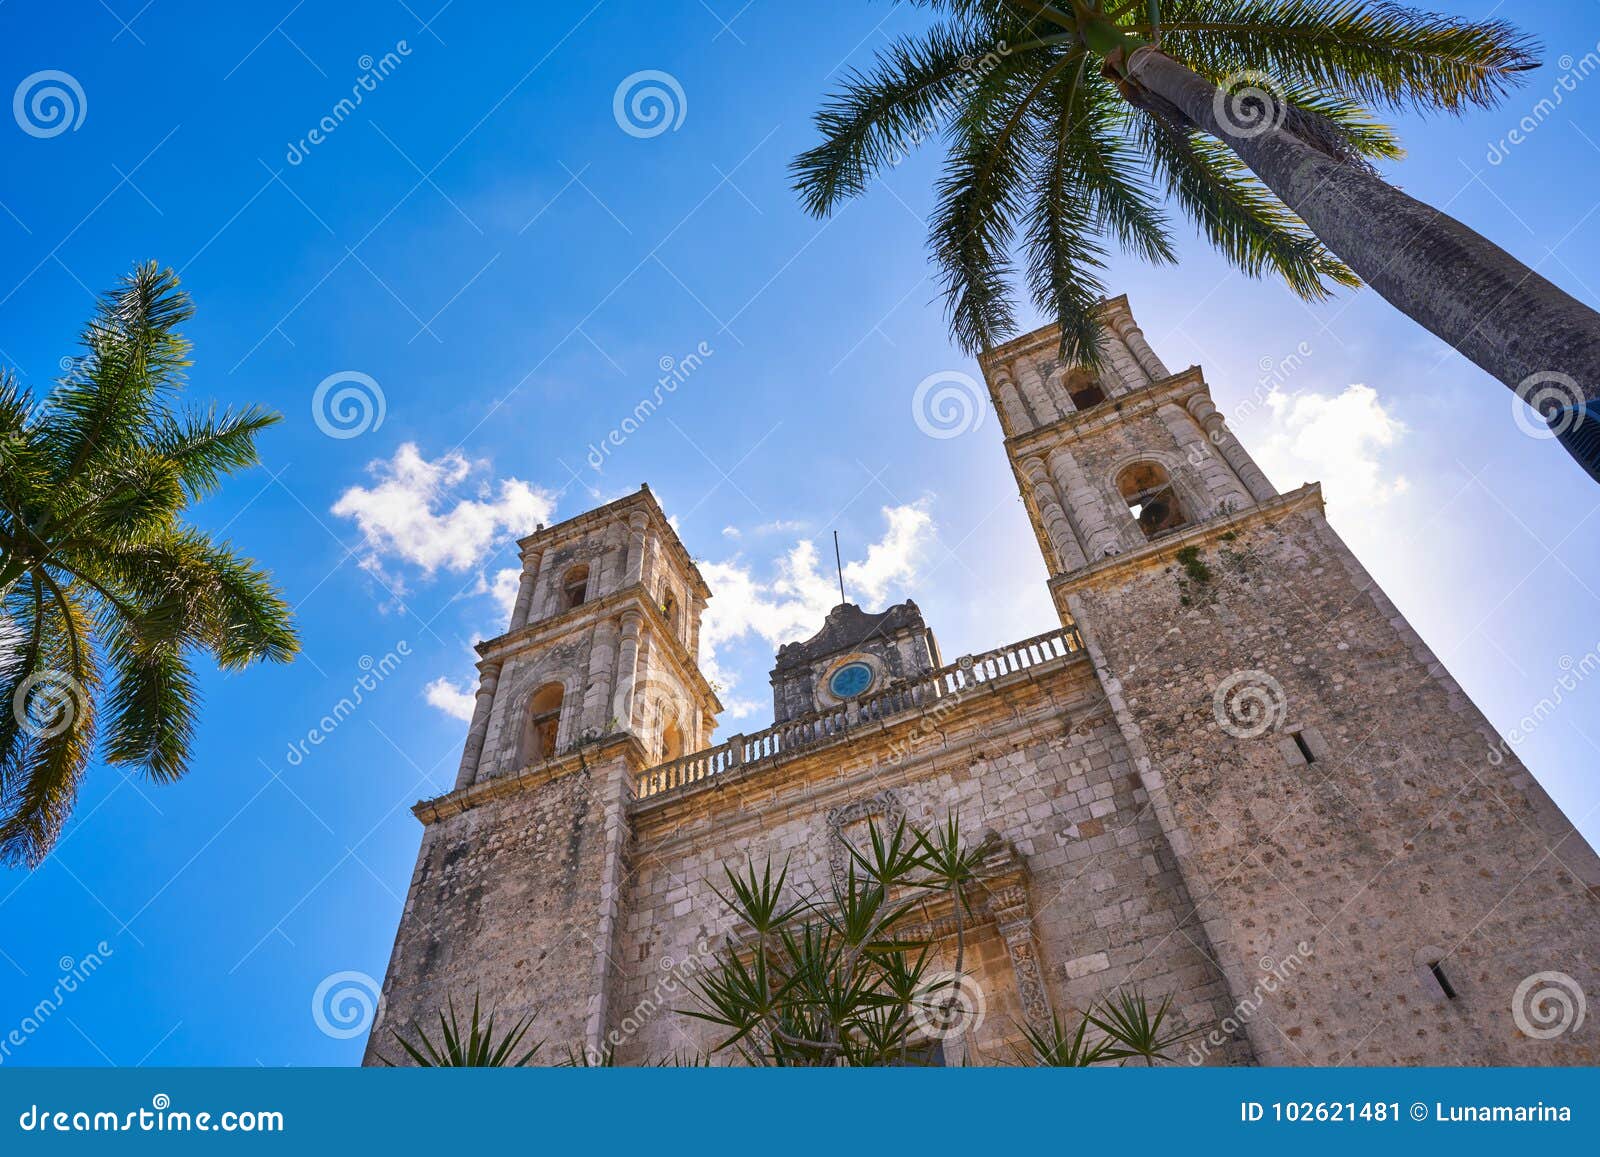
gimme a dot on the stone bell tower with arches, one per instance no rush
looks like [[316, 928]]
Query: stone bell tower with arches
[[515, 895], [1327, 789]]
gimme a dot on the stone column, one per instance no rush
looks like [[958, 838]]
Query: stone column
[[601, 682], [1220, 483], [627, 670], [1096, 532], [638, 523], [1014, 415], [697, 609], [649, 573], [488, 681], [523, 610], [1130, 332], [1063, 539], [614, 562], [1037, 392], [1122, 373], [1232, 450]]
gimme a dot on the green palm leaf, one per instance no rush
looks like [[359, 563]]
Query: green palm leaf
[[100, 573]]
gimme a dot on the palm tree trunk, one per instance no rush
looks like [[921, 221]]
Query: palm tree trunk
[[1462, 287]]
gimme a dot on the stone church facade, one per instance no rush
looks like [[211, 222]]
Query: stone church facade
[[1233, 774]]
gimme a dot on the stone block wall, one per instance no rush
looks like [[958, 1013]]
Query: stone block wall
[[1040, 763], [1398, 845], [506, 902]]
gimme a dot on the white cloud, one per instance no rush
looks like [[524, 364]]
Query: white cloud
[[455, 701], [1336, 439], [504, 589], [792, 604], [438, 514]]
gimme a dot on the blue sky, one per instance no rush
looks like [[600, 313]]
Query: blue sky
[[510, 269]]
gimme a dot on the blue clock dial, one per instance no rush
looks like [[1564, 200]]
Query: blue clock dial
[[850, 680]]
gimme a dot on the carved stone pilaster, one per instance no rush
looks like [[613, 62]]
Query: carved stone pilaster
[[1007, 883]]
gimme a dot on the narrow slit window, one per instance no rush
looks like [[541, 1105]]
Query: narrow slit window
[[1300, 742], [1443, 981]]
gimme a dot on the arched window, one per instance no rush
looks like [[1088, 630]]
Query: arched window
[[575, 588], [1147, 489], [669, 611], [1084, 389], [671, 741], [543, 726]]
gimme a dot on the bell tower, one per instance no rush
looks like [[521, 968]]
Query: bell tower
[[516, 895], [1328, 790]]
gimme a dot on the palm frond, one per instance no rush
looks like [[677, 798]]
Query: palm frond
[[1376, 53]]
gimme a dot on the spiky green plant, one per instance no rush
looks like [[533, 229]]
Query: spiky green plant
[[471, 1046], [1056, 1046], [841, 979], [1069, 123], [850, 977], [1133, 1030], [106, 592]]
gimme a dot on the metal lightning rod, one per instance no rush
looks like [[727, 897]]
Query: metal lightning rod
[[840, 567]]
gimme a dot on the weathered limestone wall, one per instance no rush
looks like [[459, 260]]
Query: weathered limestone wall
[[1401, 843], [1040, 762], [506, 901]]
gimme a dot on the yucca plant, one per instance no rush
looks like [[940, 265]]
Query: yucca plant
[[849, 977], [1056, 1046], [1069, 122], [843, 978], [106, 592], [1133, 1030], [472, 1045]]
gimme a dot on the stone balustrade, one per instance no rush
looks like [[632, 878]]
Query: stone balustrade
[[909, 697]]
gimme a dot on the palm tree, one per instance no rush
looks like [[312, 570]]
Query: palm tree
[[1067, 120], [98, 572]]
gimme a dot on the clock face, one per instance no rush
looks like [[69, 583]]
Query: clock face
[[850, 680]]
